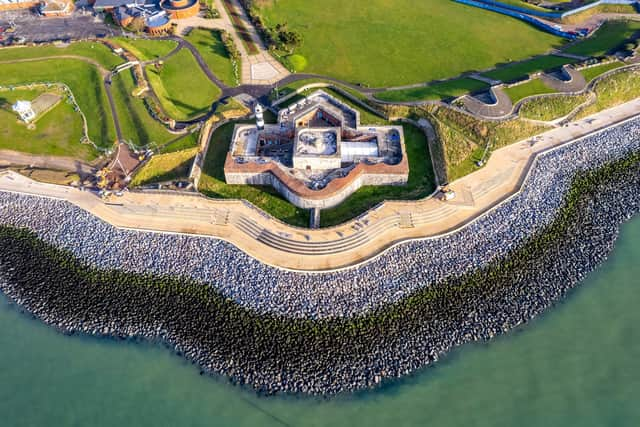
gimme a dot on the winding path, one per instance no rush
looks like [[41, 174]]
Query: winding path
[[354, 242]]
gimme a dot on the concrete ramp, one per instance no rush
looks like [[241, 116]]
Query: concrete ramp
[[492, 104], [568, 79]]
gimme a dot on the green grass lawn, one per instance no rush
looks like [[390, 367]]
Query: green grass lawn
[[386, 43], [517, 71], [421, 183], [146, 49], [84, 81], [532, 87], [597, 70], [165, 167], [180, 142], [136, 123], [92, 50], [57, 133], [551, 108], [184, 90], [608, 37], [435, 91], [210, 45]]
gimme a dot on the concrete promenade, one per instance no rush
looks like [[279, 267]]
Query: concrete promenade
[[356, 241]]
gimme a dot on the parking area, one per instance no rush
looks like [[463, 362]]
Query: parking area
[[28, 27]]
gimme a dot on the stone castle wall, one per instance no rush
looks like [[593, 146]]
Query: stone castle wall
[[329, 200]]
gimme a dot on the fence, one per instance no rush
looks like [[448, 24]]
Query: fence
[[519, 15], [555, 15], [527, 15]]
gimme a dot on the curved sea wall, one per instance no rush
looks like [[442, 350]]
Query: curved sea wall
[[279, 331], [397, 273], [282, 354]]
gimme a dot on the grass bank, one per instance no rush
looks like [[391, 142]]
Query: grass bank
[[530, 88], [613, 90], [464, 138], [165, 167], [552, 107], [136, 123], [184, 90], [212, 49], [520, 70], [92, 50], [146, 49], [610, 36], [434, 91]]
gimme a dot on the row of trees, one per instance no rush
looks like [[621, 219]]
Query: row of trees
[[279, 37]]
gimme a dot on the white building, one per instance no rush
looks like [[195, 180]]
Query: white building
[[24, 110]]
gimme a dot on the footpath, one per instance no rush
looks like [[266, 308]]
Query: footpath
[[353, 242]]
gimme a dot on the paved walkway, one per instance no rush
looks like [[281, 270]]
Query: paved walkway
[[281, 245], [501, 107], [257, 69], [15, 158], [574, 83]]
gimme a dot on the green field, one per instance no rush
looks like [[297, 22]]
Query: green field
[[57, 133], [386, 43], [184, 90], [92, 50], [530, 88], [434, 91], [146, 49], [84, 81], [136, 123], [610, 36], [209, 44], [283, 91], [520, 70]]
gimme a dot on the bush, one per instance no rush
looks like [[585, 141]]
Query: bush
[[297, 62]]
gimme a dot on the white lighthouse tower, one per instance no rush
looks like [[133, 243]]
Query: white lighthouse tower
[[259, 116]]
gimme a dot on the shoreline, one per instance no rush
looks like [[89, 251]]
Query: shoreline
[[389, 278], [349, 245], [276, 354]]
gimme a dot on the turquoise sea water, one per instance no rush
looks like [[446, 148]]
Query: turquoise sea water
[[578, 365]]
